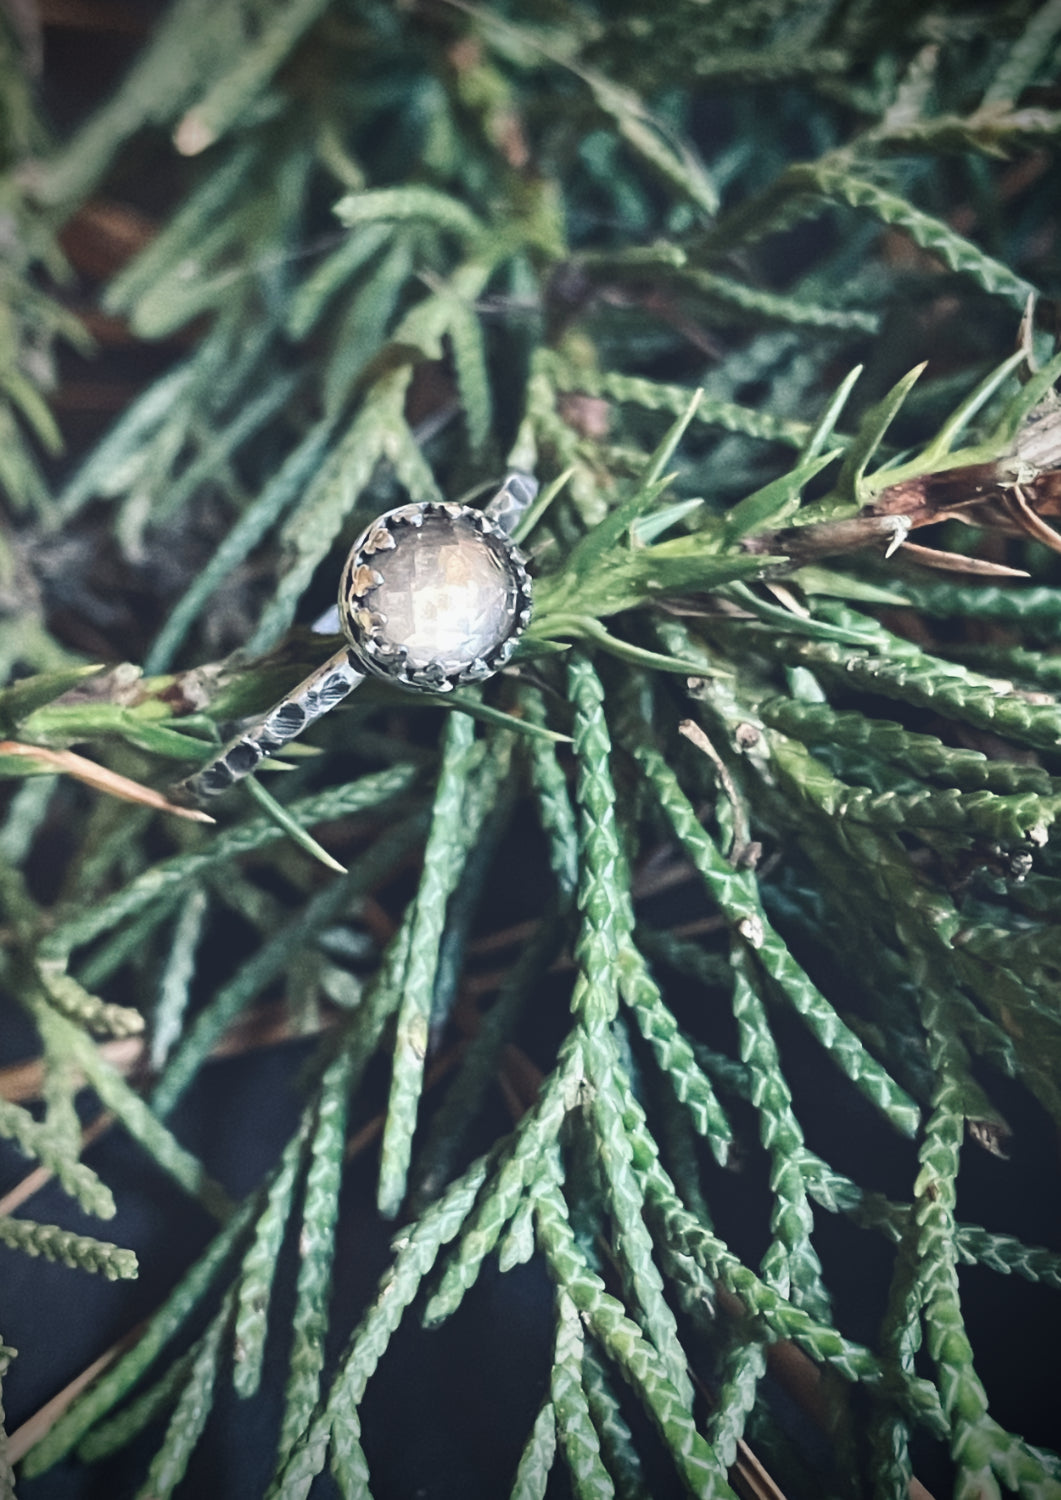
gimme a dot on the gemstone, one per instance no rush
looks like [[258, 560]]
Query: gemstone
[[448, 594]]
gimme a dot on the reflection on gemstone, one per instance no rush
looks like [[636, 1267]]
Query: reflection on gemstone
[[448, 594]]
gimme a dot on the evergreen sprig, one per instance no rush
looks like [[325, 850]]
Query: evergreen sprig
[[78, 1251], [741, 691]]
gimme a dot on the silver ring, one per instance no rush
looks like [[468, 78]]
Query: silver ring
[[434, 595], [431, 596]]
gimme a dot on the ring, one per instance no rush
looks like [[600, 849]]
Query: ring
[[431, 596]]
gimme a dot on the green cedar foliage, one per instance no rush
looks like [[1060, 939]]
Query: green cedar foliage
[[751, 288]]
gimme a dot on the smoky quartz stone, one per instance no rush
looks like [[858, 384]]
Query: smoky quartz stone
[[433, 595]]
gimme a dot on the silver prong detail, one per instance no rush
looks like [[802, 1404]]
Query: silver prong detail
[[364, 611]]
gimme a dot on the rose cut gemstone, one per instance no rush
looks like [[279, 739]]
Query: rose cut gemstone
[[448, 593]]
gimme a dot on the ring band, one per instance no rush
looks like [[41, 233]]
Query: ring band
[[431, 596]]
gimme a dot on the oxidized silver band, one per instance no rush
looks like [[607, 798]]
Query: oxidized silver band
[[431, 596]]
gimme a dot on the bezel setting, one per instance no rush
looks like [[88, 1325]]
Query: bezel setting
[[365, 627]]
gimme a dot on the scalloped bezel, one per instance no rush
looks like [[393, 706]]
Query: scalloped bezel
[[365, 628]]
